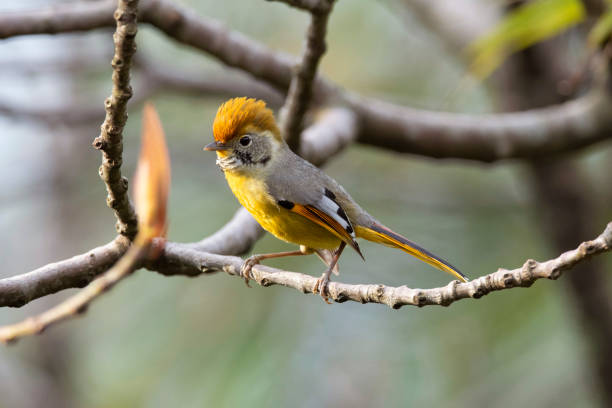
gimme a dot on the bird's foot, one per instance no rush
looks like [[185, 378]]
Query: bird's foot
[[320, 287], [247, 265]]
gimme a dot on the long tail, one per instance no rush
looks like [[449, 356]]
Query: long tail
[[380, 234]]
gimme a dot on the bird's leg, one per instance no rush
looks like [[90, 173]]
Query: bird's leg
[[321, 284], [326, 255], [250, 262]]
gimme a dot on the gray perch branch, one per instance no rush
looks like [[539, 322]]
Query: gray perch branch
[[191, 260], [395, 297]]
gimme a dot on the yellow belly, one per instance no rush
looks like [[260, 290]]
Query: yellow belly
[[280, 222]]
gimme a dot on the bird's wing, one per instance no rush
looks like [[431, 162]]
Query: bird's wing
[[327, 213], [302, 189]]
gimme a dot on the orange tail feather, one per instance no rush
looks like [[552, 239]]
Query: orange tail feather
[[380, 234]]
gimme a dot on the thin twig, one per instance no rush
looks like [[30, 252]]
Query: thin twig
[[78, 303], [110, 141], [300, 89]]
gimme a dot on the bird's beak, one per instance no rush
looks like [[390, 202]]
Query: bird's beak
[[216, 147]]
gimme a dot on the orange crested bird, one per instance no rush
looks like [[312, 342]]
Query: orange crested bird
[[291, 198]]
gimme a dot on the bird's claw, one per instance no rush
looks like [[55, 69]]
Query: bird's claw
[[320, 287], [245, 269]]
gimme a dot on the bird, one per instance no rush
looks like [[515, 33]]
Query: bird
[[293, 199]]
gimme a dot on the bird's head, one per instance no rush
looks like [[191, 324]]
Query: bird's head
[[246, 135]]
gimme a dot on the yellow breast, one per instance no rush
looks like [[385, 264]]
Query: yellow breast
[[282, 223]]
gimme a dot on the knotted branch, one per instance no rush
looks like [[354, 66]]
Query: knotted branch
[[110, 141], [197, 262], [191, 260]]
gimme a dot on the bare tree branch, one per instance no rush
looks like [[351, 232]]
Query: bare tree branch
[[187, 259], [60, 18], [234, 238], [110, 141], [230, 47], [300, 89], [333, 130], [197, 262], [75, 272], [78, 303], [54, 114], [434, 134], [528, 134]]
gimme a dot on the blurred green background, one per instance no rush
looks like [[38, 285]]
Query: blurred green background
[[209, 341]]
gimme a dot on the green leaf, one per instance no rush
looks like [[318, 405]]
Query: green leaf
[[521, 28]]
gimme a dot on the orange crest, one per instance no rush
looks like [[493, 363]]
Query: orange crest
[[241, 115]]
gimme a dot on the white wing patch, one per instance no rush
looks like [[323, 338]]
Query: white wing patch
[[328, 204]]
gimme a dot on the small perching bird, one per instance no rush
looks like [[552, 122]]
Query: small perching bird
[[291, 198]]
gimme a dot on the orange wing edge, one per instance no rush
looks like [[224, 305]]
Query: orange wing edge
[[322, 219]]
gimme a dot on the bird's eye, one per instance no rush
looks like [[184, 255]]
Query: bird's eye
[[245, 140]]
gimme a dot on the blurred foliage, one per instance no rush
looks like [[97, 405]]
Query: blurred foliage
[[522, 27], [602, 29], [155, 341]]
